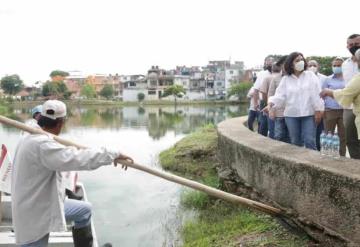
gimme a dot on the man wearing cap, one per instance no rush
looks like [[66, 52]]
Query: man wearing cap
[[37, 192], [35, 114]]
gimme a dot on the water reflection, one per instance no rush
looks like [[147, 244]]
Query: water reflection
[[157, 120]]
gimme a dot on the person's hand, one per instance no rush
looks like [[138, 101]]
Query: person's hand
[[123, 157], [266, 110], [326, 92], [318, 117]]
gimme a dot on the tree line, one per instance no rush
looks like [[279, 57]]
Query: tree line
[[12, 84]]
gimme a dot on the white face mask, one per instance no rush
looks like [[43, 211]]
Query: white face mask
[[313, 69], [299, 66]]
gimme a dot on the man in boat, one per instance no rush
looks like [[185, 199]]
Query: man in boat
[[37, 192], [36, 115]]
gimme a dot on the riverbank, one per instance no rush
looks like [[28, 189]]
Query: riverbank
[[218, 223], [142, 103]]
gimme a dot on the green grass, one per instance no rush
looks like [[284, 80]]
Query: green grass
[[218, 223], [224, 224], [3, 108], [194, 155]]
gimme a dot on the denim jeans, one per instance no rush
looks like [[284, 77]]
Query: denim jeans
[[253, 115], [263, 119], [263, 128], [281, 130], [302, 131], [77, 211], [271, 127], [319, 130]]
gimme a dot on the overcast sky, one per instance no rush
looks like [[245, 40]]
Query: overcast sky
[[128, 36]]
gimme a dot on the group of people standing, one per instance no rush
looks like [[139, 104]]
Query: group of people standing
[[294, 103]]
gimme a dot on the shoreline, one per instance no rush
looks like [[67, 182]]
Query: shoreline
[[128, 103], [218, 223]]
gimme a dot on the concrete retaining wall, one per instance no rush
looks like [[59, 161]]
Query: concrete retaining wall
[[320, 189]]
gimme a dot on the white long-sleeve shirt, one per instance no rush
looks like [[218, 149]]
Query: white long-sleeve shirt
[[37, 192], [299, 95], [349, 70]]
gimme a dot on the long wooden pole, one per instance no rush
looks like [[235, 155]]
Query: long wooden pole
[[170, 177]]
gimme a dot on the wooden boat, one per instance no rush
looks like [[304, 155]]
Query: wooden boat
[[56, 239]]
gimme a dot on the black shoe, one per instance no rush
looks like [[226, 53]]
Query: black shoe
[[72, 195], [82, 237], [106, 245]]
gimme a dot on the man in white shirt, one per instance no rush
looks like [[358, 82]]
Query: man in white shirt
[[263, 128], [314, 66], [349, 69], [37, 189]]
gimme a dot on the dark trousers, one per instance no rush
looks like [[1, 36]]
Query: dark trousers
[[253, 115], [281, 130], [319, 130], [271, 127], [263, 118], [351, 136]]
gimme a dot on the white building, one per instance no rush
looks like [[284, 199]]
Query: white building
[[182, 80]]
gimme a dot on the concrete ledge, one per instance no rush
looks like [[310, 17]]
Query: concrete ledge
[[323, 190]]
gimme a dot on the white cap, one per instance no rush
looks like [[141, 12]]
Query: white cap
[[53, 109]]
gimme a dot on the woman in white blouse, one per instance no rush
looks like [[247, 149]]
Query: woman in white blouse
[[298, 93]]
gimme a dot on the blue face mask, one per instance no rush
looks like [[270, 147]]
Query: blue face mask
[[337, 70]]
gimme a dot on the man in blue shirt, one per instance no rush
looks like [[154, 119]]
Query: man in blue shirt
[[333, 116]]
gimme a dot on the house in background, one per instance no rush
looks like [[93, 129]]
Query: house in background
[[157, 80], [28, 93], [233, 74], [74, 82], [215, 79], [132, 86]]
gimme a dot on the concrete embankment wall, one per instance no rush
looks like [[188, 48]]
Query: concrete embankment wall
[[323, 191]]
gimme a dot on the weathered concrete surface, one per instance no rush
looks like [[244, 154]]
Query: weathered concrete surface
[[321, 190]]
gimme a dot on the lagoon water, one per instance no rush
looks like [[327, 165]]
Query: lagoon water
[[132, 208]]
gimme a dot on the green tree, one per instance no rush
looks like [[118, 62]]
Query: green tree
[[140, 96], [11, 84], [88, 91], [56, 88], [58, 73], [107, 91], [175, 90], [240, 90]]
